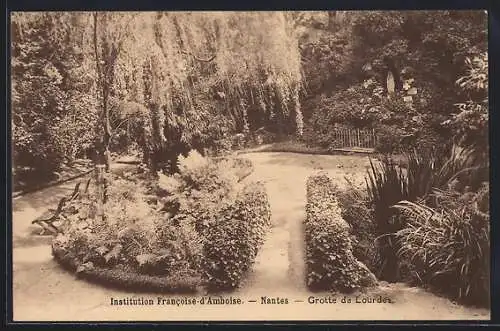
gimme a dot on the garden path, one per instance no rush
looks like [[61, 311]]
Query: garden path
[[44, 292]]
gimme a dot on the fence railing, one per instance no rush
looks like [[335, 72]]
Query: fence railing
[[345, 138]]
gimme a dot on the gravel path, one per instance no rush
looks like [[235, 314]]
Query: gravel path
[[44, 292]]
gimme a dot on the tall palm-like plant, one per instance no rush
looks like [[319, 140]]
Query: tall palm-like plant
[[386, 186]]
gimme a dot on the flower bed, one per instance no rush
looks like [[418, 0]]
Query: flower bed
[[163, 232]]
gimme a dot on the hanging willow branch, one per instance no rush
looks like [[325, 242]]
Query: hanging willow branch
[[197, 58], [97, 60], [181, 42]]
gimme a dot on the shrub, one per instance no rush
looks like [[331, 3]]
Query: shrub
[[448, 247], [329, 259], [460, 169], [34, 166], [235, 238], [388, 184], [470, 124], [389, 139], [464, 168], [196, 193], [231, 218], [241, 167], [357, 211], [263, 136]]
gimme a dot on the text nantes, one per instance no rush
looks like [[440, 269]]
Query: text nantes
[[273, 301]]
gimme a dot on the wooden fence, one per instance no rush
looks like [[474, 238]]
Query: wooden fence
[[348, 138]]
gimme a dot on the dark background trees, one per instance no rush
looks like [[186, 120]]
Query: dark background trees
[[53, 113], [429, 51]]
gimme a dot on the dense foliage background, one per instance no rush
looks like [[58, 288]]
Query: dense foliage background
[[165, 82]]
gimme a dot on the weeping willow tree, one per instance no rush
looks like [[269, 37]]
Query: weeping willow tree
[[181, 80], [177, 73]]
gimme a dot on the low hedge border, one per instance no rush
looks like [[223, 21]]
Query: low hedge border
[[120, 279], [232, 245], [330, 263]]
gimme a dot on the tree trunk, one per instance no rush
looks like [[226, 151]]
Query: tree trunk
[[104, 81], [99, 179], [107, 139], [332, 17]]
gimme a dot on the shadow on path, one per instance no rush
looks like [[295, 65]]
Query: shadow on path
[[46, 198]]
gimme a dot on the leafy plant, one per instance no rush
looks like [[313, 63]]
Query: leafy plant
[[133, 234], [386, 186], [231, 217], [463, 168], [448, 246]]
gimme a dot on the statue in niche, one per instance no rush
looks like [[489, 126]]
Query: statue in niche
[[393, 78]]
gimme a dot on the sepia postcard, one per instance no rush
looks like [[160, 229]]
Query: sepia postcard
[[250, 166]]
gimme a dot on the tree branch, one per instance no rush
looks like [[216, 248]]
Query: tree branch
[[122, 37], [99, 70], [197, 58], [121, 123]]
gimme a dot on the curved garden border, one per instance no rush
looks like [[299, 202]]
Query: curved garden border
[[126, 280], [249, 197]]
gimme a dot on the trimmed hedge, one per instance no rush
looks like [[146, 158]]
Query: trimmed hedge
[[357, 211], [330, 264], [123, 278], [232, 245]]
